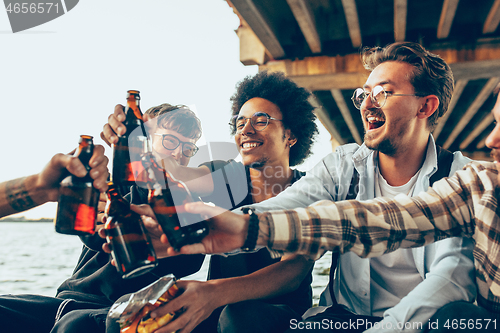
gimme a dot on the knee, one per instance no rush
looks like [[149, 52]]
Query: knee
[[75, 322], [237, 317]]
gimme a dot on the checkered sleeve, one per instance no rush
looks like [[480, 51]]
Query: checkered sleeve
[[377, 226]]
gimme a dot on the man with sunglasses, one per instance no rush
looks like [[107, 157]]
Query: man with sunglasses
[[273, 126], [407, 90]]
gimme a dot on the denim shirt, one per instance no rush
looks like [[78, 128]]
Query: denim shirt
[[446, 267]]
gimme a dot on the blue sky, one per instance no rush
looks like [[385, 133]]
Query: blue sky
[[63, 78]]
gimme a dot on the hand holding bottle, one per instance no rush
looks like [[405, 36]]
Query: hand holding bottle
[[115, 127], [158, 239]]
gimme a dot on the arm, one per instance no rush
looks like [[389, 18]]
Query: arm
[[25, 193], [370, 228], [200, 299]]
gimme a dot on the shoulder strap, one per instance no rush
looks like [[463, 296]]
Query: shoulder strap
[[444, 162], [352, 193]]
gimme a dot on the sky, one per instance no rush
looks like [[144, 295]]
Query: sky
[[63, 78]]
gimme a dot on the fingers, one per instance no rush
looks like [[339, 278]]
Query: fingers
[[105, 139], [114, 127], [99, 172], [190, 249], [207, 210], [103, 200], [72, 164], [143, 210]]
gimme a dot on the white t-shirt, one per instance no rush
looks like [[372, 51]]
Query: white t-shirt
[[393, 275]]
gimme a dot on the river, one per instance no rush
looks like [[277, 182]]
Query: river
[[34, 259]]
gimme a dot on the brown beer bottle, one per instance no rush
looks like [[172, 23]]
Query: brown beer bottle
[[167, 196], [127, 166], [78, 199], [130, 243]]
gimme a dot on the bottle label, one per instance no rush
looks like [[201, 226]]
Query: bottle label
[[85, 218]]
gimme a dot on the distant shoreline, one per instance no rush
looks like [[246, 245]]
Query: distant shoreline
[[24, 219]]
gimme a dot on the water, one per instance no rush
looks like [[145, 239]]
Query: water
[[34, 259]]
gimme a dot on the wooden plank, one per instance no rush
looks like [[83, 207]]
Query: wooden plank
[[487, 121], [400, 13], [301, 9], [473, 70], [351, 16], [446, 19], [346, 114], [259, 25], [324, 117], [493, 18], [457, 92], [482, 143], [472, 110], [252, 52], [330, 81]]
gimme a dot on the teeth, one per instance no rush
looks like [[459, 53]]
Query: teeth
[[374, 119], [250, 145]]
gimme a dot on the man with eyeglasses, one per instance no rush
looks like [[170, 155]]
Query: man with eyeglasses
[[407, 90], [273, 126]]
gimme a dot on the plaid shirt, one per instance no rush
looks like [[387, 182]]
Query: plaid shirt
[[463, 205]]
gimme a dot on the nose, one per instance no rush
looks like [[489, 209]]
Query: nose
[[493, 139], [367, 102], [248, 128], [177, 153]]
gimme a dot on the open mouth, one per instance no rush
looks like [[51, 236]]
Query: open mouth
[[375, 122], [248, 145]]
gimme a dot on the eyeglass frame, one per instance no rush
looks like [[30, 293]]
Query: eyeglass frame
[[180, 142], [235, 118], [374, 102]]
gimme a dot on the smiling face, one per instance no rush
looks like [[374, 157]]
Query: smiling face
[[390, 129], [493, 139], [267, 147]]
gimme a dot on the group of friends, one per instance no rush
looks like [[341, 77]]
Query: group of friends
[[403, 259]]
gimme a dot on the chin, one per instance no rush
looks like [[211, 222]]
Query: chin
[[254, 163]]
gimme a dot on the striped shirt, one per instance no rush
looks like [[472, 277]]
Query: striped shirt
[[462, 205]]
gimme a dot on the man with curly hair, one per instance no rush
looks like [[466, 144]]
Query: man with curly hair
[[274, 127]]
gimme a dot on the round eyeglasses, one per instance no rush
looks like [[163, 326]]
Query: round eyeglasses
[[378, 96], [171, 142], [259, 121]]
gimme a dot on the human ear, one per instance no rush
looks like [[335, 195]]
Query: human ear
[[429, 106], [291, 139]]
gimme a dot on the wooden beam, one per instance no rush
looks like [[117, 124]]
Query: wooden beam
[[479, 156], [351, 16], [324, 117], [487, 121], [457, 92], [493, 18], [301, 9], [252, 52], [259, 25], [326, 82], [346, 114], [400, 13], [472, 110], [482, 143], [446, 18], [473, 70]]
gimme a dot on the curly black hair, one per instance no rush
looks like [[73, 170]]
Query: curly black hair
[[293, 103]]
